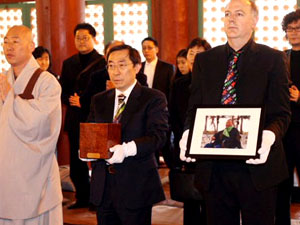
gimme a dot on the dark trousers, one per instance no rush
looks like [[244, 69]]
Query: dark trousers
[[194, 213], [112, 210], [79, 171], [291, 144], [232, 196]]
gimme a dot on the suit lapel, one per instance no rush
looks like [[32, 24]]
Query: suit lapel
[[131, 106], [108, 111]]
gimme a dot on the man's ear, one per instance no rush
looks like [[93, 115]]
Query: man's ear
[[137, 68]]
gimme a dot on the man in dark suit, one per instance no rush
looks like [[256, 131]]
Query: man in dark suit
[[159, 76], [125, 187], [75, 77], [291, 26], [159, 73], [235, 190]]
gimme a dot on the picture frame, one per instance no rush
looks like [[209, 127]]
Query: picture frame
[[225, 132]]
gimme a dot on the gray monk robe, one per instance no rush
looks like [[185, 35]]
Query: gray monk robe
[[29, 175]]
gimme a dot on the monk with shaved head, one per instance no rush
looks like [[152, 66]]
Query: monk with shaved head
[[30, 118], [242, 187]]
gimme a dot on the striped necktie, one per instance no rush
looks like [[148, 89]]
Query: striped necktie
[[121, 107], [229, 91]]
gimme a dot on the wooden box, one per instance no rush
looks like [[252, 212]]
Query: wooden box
[[96, 139]]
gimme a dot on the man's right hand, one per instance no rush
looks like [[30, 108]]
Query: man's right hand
[[182, 145]]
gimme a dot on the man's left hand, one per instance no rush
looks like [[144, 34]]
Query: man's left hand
[[268, 138], [120, 152], [74, 100], [294, 93]]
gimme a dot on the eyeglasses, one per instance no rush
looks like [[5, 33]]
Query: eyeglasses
[[291, 29], [120, 66], [83, 38]]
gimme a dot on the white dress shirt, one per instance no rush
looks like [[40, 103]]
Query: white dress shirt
[[149, 70]]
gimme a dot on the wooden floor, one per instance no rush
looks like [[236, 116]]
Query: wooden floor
[[168, 212]]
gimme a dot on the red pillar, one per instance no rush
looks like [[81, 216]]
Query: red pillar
[[56, 20], [174, 25]]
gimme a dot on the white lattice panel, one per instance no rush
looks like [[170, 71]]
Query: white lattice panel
[[8, 18], [131, 23], [33, 24], [94, 16], [213, 21], [271, 13]]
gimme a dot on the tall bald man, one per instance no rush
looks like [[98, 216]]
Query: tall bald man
[[30, 118]]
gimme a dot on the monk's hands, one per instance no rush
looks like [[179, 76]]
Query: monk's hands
[[4, 86], [74, 100], [268, 138], [182, 145]]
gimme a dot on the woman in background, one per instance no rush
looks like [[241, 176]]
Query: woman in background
[[43, 57], [193, 210], [183, 67]]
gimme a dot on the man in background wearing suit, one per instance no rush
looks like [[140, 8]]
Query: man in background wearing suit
[[75, 77], [235, 189], [125, 187], [291, 26], [159, 76]]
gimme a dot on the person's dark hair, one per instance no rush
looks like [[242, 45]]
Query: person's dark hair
[[290, 18], [39, 51], [85, 26], [181, 53], [151, 39], [134, 55], [200, 42]]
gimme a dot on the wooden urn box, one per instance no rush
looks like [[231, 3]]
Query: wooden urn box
[[96, 139]]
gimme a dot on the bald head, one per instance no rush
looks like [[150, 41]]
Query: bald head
[[18, 46]]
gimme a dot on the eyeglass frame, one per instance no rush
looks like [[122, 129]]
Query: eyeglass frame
[[120, 66], [292, 29]]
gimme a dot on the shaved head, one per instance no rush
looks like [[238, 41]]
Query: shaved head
[[18, 47]]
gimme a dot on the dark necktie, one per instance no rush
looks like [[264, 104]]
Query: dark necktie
[[229, 91], [121, 107]]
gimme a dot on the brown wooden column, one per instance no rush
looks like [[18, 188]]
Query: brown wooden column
[[56, 20], [174, 25]]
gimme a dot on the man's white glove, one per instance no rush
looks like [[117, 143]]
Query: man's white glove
[[120, 152], [268, 138], [182, 145]]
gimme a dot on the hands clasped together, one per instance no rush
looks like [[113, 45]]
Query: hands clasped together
[[4, 86]]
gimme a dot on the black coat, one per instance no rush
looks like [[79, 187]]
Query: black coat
[[144, 121], [163, 76], [71, 83], [262, 81]]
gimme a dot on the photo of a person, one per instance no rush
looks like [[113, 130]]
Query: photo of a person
[[228, 137]]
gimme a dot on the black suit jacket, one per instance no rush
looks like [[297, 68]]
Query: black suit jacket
[[145, 121], [71, 83], [262, 81], [163, 76]]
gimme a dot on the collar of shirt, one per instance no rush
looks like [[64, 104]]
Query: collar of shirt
[[230, 51], [153, 63], [126, 93]]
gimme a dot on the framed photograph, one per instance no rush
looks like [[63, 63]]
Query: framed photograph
[[225, 132]]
